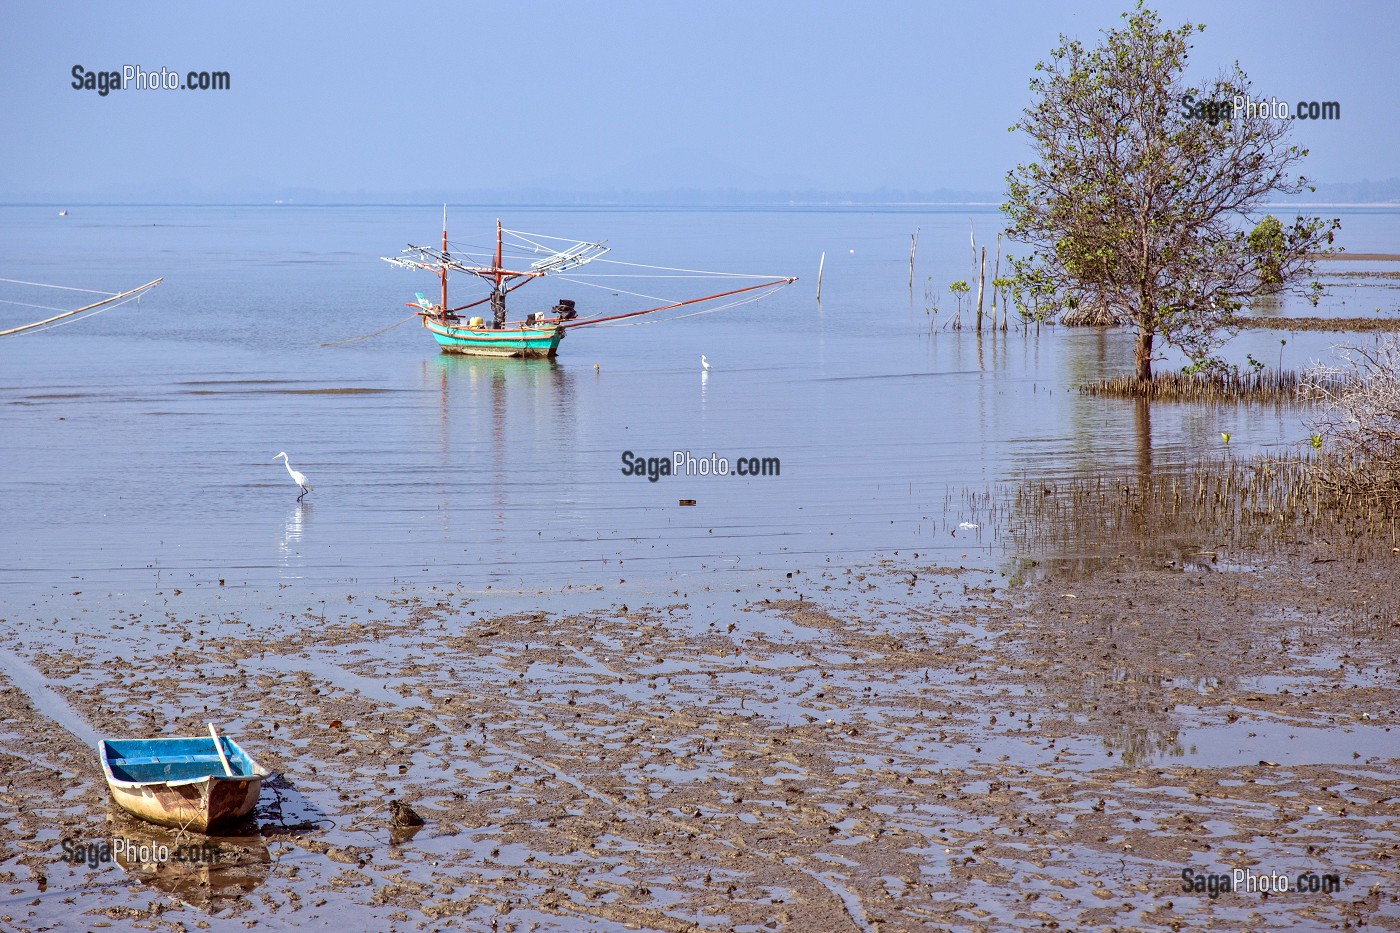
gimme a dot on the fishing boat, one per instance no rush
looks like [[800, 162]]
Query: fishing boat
[[198, 783], [517, 259]]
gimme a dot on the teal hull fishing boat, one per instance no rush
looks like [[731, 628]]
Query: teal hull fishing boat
[[519, 341], [518, 259]]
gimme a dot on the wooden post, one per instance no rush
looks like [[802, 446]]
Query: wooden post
[[996, 277], [972, 239], [981, 283], [913, 247], [820, 266]]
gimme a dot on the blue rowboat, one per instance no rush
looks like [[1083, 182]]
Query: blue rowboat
[[182, 782]]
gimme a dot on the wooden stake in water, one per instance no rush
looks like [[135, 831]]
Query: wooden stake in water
[[981, 283], [913, 248], [996, 277], [820, 266], [972, 239]]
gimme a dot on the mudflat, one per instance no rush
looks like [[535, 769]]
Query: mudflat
[[897, 747]]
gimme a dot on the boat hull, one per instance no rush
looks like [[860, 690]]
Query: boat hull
[[208, 804], [181, 782], [518, 342]]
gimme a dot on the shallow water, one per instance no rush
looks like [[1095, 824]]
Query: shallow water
[[137, 445]]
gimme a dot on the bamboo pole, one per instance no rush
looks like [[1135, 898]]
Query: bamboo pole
[[996, 277], [96, 304], [820, 266], [913, 248], [981, 283]]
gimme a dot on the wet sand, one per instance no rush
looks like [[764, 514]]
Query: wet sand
[[896, 747]]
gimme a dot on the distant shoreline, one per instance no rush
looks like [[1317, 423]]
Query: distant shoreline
[[793, 205]]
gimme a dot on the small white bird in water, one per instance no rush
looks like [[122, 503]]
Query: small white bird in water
[[297, 478], [704, 363]]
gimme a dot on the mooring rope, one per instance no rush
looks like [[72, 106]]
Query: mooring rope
[[336, 343]]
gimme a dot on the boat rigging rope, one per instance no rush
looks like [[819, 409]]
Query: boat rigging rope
[[664, 320], [25, 304], [616, 291], [84, 317], [66, 288], [336, 343], [703, 272]]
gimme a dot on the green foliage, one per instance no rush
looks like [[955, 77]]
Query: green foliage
[[959, 289], [1269, 247], [1134, 207]]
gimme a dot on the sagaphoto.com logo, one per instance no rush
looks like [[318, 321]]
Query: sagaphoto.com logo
[[134, 77], [1241, 106], [684, 463]]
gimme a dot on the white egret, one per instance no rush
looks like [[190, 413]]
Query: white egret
[[704, 363], [297, 478]]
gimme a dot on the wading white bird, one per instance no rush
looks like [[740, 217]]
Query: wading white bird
[[297, 478], [704, 363]]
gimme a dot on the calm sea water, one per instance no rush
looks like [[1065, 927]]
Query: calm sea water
[[139, 443]]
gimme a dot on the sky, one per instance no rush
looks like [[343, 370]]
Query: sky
[[358, 100]]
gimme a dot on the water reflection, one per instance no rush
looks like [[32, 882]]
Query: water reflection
[[524, 413], [293, 530], [205, 872]]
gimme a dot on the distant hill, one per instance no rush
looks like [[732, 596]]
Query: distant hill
[[1350, 192], [698, 192]]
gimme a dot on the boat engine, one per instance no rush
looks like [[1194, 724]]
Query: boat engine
[[565, 310]]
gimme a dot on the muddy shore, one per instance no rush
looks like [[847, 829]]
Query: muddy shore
[[897, 747]]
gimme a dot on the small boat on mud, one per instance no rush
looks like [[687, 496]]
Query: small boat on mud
[[518, 259], [198, 783]]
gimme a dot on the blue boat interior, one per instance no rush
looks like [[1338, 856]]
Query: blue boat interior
[[181, 759]]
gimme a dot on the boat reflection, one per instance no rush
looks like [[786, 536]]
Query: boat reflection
[[207, 873], [527, 410]]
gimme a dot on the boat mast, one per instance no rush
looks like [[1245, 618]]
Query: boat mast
[[498, 294], [443, 267]]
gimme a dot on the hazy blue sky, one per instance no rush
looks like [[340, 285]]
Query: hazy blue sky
[[384, 98]]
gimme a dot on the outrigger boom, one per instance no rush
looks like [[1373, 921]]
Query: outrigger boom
[[539, 334], [96, 307]]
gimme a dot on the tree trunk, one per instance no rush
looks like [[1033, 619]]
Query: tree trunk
[[1142, 353], [1147, 329]]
